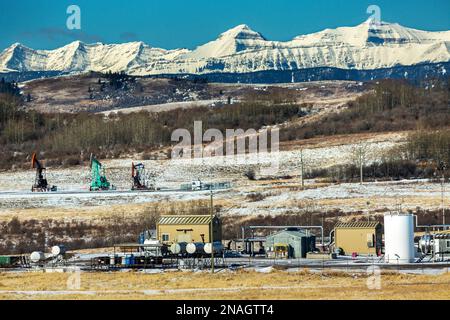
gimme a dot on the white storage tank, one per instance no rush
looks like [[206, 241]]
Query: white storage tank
[[57, 250], [218, 248], [37, 256], [399, 238], [192, 248], [177, 248]]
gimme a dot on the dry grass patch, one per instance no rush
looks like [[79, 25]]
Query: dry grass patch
[[224, 285]]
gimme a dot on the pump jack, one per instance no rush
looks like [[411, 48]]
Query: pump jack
[[139, 178], [40, 182], [99, 181]]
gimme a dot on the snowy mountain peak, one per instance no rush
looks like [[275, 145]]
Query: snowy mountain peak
[[393, 33], [372, 33], [242, 32], [367, 46], [16, 45], [76, 45], [235, 40]]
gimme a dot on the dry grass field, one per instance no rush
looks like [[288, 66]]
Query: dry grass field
[[224, 285]]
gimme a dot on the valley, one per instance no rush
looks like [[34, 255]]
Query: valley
[[225, 155]]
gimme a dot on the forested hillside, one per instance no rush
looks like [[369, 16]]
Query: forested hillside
[[69, 138]]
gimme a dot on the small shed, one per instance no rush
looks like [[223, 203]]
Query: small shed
[[364, 237], [188, 228], [442, 246], [290, 243]]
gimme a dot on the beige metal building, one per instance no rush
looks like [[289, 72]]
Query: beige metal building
[[360, 237], [188, 228]]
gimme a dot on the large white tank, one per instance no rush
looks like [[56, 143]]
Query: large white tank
[[399, 238], [37, 256], [177, 248], [218, 248], [57, 250], [192, 248]]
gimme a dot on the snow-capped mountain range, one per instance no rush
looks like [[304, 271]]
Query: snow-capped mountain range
[[368, 46]]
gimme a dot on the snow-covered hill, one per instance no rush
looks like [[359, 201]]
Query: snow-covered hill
[[368, 46]]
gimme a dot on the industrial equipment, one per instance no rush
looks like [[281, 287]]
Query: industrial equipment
[[188, 228], [218, 247], [40, 182], [178, 247], [9, 261], [58, 250], [399, 238], [195, 248], [278, 251], [139, 178], [37, 256], [99, 181], [426, 244], [147, 235], [362, 237], [441, 246], [197, 185]]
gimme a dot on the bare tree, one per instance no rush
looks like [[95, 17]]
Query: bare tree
[[359, 158]]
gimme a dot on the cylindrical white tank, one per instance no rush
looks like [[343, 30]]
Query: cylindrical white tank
[[399, 238], [57, 250], [37, 256], [177, 248], [192, 248], [218, 248]]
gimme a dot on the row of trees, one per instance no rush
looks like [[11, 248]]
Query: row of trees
[[430, 147], [65, 135], [426, 154], [393, 105], [9, 87]]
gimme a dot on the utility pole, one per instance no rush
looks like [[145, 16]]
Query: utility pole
[[442, 193], [323, 226], [302, 168], [45, 240], [442, 199], [212, 233], [361, 164]]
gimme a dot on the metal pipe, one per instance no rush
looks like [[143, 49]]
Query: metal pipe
[[285, 227], [431, 225], [243, 237], [212, 233]]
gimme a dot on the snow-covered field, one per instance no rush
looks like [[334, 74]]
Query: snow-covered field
[[172, 173], [168, 106], [74, 200], [278, 195], [348, 197]]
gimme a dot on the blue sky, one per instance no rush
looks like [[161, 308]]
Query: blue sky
[[169, 24]]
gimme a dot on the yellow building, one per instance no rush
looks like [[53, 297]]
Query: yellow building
[[360, 237], [188, 228]]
